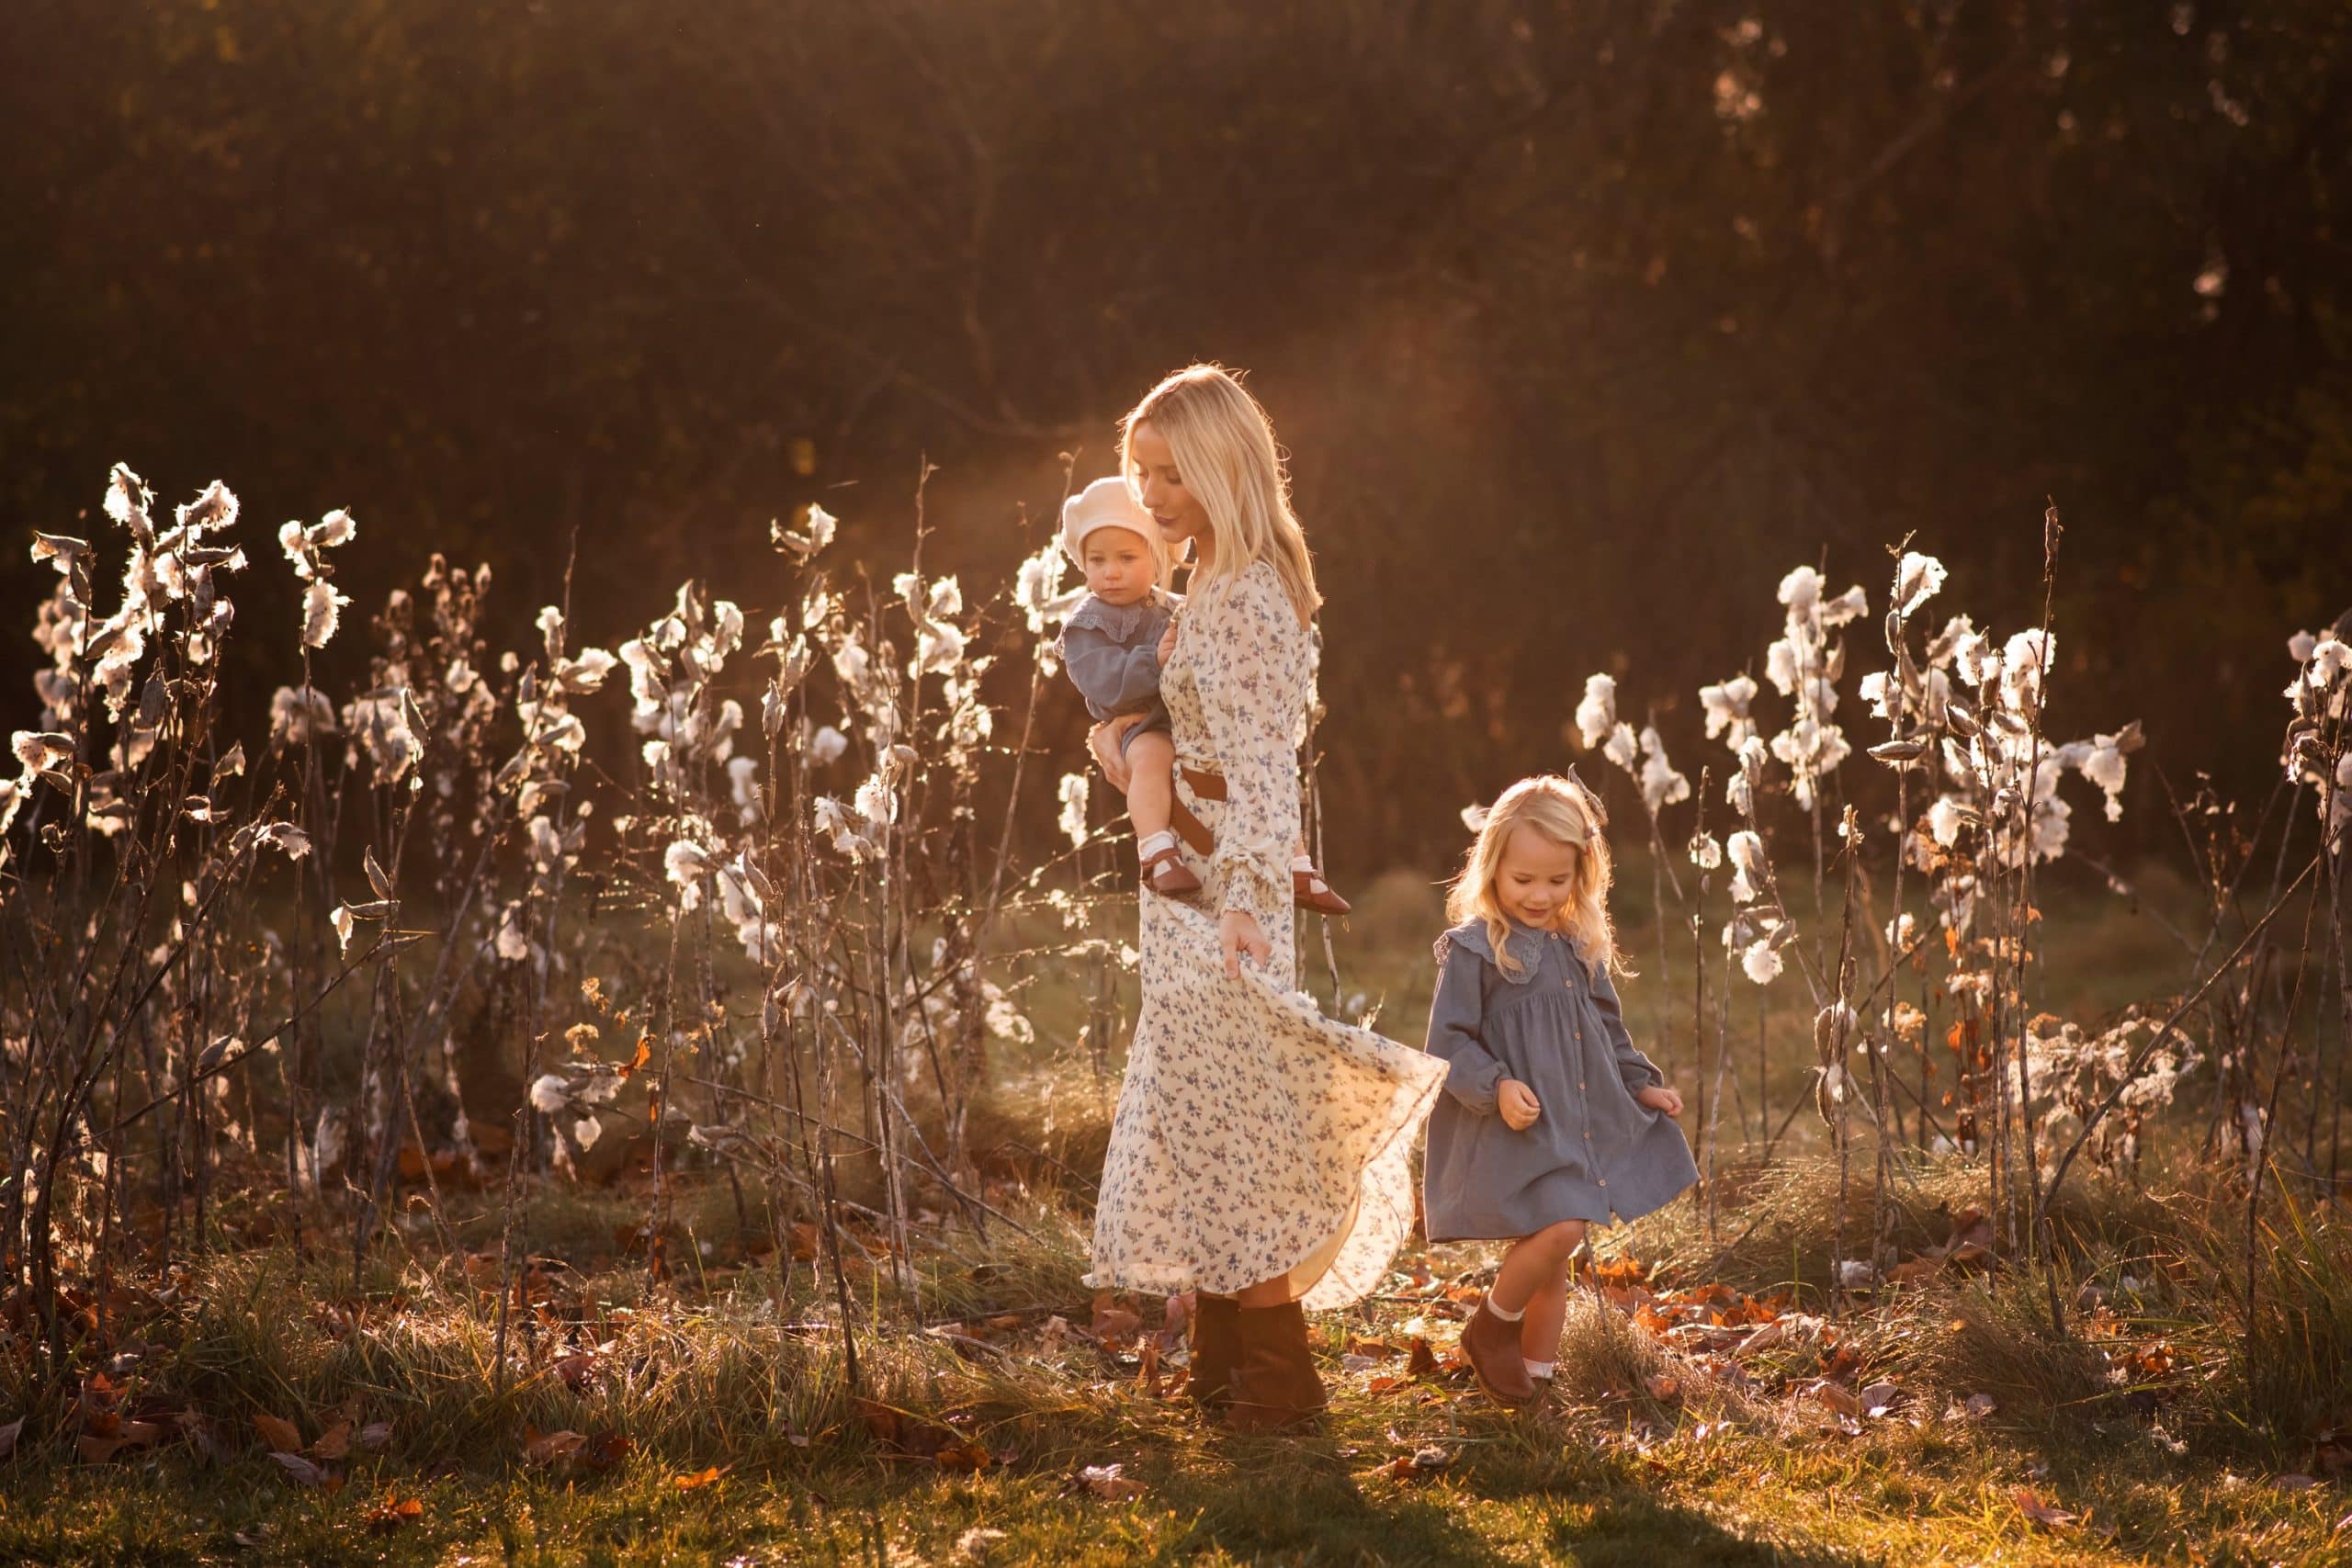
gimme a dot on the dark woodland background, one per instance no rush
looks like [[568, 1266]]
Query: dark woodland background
[[1583, 323]]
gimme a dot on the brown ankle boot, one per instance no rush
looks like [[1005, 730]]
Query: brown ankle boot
[[1217, 1347], [1492, 1347], [1275, 1387]]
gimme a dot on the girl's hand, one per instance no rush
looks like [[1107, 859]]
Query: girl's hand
[[1168, 642], [1518, 1104], [1238, 932], [1103, 741], [1657, 1097]]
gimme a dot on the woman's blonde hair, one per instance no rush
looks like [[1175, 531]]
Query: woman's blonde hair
[[1225, 451], [1570, 815]]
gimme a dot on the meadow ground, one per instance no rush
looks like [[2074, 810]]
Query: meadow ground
[[262, 1405]]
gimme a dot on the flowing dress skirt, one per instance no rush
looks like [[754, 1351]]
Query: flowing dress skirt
[[1255, 1138]]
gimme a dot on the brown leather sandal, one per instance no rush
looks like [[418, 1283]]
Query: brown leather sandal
[[1166, 874], [1309, 891]]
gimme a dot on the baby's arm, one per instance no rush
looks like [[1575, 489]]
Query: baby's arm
[[1114, 678], [1473, 1075]]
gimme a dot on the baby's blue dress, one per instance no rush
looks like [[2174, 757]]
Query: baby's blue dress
[[1557, 1027]]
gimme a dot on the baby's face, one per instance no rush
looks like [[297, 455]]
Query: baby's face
[[1120, 567]]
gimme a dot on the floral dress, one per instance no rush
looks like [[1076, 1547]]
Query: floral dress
[[1255, 1138]]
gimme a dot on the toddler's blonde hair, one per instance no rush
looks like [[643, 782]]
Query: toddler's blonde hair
[[1225, 452], [1570, 815]]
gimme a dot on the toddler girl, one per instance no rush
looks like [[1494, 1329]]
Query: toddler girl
[[1551, 1120], [1112, 645]]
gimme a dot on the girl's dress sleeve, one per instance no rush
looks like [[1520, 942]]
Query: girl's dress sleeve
[[1114, 679], [1473, 1075], [1248, 655], [1638, 1071]]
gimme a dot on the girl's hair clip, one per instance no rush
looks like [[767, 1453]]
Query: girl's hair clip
[[1592, 801]]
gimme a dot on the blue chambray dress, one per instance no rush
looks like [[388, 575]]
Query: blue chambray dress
[[1556, 1026], [1254, 1138], [1112, 652]]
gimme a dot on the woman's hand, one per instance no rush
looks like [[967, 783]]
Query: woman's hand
[[1657, 1097], [1518, 1104], [1104, 740], [1238, 932], [1168, 642]]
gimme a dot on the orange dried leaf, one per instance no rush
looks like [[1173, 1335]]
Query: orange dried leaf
[[696, 1480], [281, 1435]]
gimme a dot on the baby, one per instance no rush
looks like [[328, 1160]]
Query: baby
[[1112, 646]]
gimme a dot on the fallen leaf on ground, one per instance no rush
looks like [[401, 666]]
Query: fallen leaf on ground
[[375, 1436], [1840, 1400], [334, 1443], [392, 1513], [1113, 1322], [1979, 1405], [1418, 1465], [1105, 1480], [1879, 1398], [1663, 1385], [300, 1470], [701, 1478], [545, 1448], [2033, 1507], [281, 1435], [1423, 1361]]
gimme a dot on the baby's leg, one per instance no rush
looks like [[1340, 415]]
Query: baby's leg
[[1151, 782]]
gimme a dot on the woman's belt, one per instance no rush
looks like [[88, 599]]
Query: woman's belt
[[1207, 785]]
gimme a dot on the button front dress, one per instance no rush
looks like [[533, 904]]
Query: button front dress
[[1557, 1027], [1255, 1139]]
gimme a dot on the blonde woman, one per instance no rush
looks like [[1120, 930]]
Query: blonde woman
[[1551, 1120], [1259, 1153]]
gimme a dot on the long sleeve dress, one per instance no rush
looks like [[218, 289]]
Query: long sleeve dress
[[1554, 1025], [1255, 1138]]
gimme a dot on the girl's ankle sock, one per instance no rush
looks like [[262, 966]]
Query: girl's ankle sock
[[1540, 1368], [1300, 863], [1163, 839], [1498, 1312]]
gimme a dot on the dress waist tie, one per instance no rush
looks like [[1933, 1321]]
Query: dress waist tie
[[1207, 784]]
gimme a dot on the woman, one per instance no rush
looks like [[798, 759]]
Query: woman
[[1259, 1153]]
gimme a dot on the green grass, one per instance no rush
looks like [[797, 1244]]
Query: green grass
[[1648, 1454]]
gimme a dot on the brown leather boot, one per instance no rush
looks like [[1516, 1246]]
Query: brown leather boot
[[1492, 1347], [1275, 1387], [1217, 1347]]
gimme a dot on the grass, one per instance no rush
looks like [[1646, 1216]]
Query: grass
[[1642, 1455], [2157, 1430]]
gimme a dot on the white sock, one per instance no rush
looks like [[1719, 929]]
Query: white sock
[[1301, 862], [1539, 1368], [1506, 1316], [1163, 839]]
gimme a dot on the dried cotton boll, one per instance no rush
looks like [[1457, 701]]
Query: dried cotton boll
[[1074, 787], [1597, 712], [1727, 710]]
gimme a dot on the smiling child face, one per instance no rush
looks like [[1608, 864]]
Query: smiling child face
[[1536, 876], [1120, 566]]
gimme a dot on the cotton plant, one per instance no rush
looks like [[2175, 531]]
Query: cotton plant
[[306, 546], [1805, 664], [2318, 752]]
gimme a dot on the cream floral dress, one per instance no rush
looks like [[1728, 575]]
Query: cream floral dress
[[1255, 1138]]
